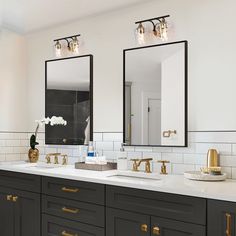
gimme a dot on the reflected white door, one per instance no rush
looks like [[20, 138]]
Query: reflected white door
[[172, 97], [154, 121]]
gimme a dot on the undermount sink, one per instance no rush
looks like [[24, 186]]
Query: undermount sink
[[39, 165], [139, 176]]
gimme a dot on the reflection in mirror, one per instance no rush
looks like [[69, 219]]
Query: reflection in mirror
[[69, 91], [155, 95]]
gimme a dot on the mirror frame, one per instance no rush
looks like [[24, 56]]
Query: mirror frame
[[90, 56], [185, 43]]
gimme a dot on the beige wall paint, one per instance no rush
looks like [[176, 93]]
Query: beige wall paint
[[13, 82]]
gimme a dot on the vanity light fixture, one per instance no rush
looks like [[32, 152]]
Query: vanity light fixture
[[72, 45], [160, 27]]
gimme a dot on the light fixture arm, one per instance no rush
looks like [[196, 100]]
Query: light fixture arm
[[66, 38], [152, 19]]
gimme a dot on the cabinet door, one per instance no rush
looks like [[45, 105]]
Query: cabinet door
[[124, 223], [165, 227], [6, 213], [27, 214], [221, 218]]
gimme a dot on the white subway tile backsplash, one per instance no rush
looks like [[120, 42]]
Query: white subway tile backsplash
[[172, 157], [113, 137], [98, 137], [179, 169], [107, 146], [15, 146], [135, 155], [212, 137], [154, 155], [227, 160], [222, 148], [198, 159]]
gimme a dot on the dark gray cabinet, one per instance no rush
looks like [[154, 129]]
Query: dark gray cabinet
[[19, 210], [6, 213], [221, 218], [124, 223], [45, 206]]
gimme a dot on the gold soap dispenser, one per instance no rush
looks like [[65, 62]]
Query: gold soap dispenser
[[212, 158]]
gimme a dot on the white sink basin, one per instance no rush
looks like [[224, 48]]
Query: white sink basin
[[39, 165], [139, 176]]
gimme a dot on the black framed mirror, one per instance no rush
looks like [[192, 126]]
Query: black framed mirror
[[155, 91], [69, 93]]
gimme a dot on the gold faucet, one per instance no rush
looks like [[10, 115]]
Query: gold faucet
[[163, 167], [137, 163], [48, 158]]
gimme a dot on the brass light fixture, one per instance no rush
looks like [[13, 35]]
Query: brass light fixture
[[72, 45], [160, 28]]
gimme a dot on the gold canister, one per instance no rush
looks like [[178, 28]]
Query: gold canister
[[212, 158]]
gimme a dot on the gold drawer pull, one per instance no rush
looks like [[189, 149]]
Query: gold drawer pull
[[228, 224], [67, 210], [156, 230], [64, 233], [144, 228], [70, 190]]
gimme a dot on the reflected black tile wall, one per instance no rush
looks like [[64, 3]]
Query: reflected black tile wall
[[74, 107]]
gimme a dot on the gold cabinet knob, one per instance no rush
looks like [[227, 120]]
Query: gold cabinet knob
[[14, 198], [156, 230], [144, 228], [9, 197]]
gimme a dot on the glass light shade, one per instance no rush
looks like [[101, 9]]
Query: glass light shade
[[163, 27], [57, 49], [74, 46], [140, 34]]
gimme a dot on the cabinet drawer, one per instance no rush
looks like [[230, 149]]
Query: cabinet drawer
[[74, 210], [75, 190], [172, 206], [53, 226], [161, 226], [31, 183]]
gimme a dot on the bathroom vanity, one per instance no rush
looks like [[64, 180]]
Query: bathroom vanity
[[39, 204]]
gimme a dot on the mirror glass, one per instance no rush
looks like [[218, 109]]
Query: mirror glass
[[155, 95], [69, 93]]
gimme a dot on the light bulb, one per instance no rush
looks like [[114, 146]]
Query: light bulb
[[140, 31], [58, 49], [74, 45], [163, 29]]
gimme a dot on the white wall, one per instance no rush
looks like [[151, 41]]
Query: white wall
[[13, 82], [206, 24]]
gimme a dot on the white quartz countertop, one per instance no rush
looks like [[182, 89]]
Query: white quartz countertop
[[176, 184]]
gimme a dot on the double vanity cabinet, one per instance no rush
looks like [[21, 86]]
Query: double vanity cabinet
[[32, 205]]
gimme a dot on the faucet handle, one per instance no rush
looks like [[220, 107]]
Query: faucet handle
[[48, 158], [147, 165], [64, 159], [163, 167]]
